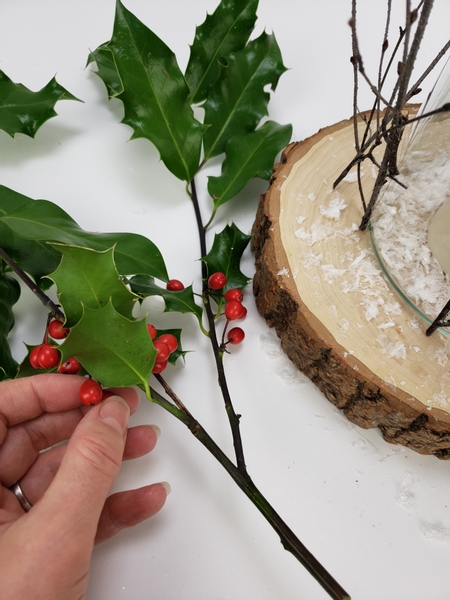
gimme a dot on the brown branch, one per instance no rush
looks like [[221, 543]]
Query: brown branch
[[46, 301]]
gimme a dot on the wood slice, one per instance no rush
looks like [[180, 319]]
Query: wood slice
[[318, 283]]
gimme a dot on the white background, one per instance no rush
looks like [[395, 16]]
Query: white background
[[374, 514]]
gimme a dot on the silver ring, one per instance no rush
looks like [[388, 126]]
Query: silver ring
[[23, 500]]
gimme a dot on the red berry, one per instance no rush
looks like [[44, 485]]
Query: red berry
[[159, 366], [91, 392], [217, 281], [162, 350], [170, 340], [48, 356], [57, 331], [33, 358], [236, 335], [233, 294], [234, 310], [71, 366], [152, 331], [174, 286], [107, 394]]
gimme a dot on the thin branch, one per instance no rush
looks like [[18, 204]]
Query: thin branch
[[289, 540], [46, 301], [233, 418]]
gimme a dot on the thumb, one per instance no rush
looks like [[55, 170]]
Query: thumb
[[90, 465]]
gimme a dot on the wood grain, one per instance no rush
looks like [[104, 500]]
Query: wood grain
[[318, 283]]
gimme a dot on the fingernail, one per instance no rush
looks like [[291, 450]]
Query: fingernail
[[115, 412], [157, 430], [139, 392], [166, 486]]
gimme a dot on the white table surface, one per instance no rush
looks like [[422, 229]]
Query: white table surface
[[376, 515]]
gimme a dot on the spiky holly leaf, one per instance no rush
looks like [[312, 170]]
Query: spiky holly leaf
[[155, 93], [182, 302], [89, 278], [35, 257], [41, 220], [247, 156], [9, 295], [237, 102], [226, 30], [24, 111], [107, 69], [225, 256], [116, 351]]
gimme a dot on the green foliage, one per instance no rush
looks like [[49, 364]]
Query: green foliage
[[182, 302], [154, 93], [237, 102], [226, 30], [226, 72], [9, 295], [87, 278], [34, 256], [43, 221], [247, 156], [225, 256], [115, 350], [24, 111]]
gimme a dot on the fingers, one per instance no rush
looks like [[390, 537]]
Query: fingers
[[127, 509], [25, 399], [74, 501], [23, 442], [140, 441]]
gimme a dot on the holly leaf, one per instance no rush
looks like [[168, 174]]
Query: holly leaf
[[116, 351], [41, 220], [155, 93], [87, 278], [35, 257], [237, 102], [248, 156], [9, 295], [182, 302], [24, 111], [107, 69], [225, 256], [226, 30]]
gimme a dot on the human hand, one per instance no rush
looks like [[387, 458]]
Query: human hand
[[45, 553]]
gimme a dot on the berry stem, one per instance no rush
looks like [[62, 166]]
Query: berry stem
[[233, 418], [289, 540], [31, 284]]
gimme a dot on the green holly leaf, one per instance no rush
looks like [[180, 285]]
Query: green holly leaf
[[155, 93], [226, 30], [182, 302], [237, 102], [41, 220], [107, 69], [35, 257], [225, 256], [24, 111], [116, 351], [247, 156], [9, 295], [87, 278]]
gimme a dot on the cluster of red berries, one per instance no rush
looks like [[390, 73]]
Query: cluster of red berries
[[165, 345], [46, 356], [234, 309]]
